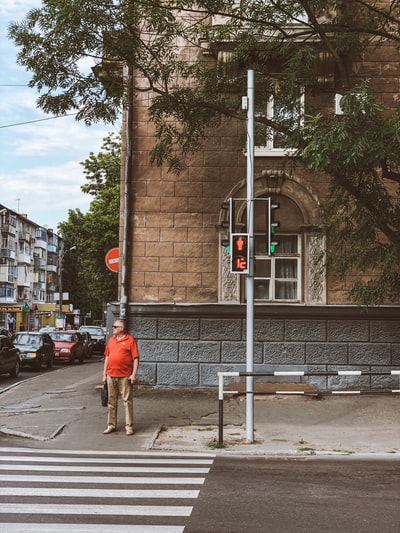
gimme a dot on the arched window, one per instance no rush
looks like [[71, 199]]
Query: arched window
[[295, 272]]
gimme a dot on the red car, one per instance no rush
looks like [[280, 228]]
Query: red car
[[68, 346]]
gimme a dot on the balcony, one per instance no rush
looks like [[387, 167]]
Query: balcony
[[8, 228], [25, 236], [52, 248], [24, 258], [40, 243], [7, 253]]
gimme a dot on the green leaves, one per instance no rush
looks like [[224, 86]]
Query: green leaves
[[90, 283], [362, 216], [191, 59]]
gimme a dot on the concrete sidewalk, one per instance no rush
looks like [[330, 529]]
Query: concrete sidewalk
[[62, 410]]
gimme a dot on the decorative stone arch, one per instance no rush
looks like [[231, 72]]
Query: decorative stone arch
[[278, 182]]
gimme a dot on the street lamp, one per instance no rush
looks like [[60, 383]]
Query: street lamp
[[60, 269]]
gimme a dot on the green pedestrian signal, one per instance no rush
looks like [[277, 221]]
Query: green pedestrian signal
[[272, 224]]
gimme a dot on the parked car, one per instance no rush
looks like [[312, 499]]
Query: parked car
[[36, 348], [69, 346], [47, 329], [10, 360], [88, 342], [98, 337]]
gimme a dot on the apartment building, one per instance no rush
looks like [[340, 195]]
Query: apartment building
[[29, 271]]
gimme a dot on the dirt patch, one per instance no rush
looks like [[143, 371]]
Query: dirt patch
[[198, 438]]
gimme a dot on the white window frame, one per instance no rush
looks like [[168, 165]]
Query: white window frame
[[268, 149], [272, 279]]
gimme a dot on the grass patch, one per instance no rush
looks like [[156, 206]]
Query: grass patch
[[215, 445], [338, 450]]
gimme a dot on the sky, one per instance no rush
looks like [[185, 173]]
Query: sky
[[40, 170]]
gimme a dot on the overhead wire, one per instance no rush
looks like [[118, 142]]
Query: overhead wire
[[29, 121], [37, 120]]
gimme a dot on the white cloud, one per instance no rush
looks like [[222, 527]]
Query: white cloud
[[43, 169], [40, 172], [17, 8], [46, 193]]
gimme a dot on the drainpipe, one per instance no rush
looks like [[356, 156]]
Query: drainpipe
[[124, 262]]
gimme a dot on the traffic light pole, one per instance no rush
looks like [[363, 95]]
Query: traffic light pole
[[250, 275]]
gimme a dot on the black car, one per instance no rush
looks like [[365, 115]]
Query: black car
[[98, 337], [36, 348], [10, 361]]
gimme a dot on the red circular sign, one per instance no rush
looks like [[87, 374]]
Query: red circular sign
[[112, 259]]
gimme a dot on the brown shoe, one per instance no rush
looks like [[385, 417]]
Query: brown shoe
[[110, 429], [129, 431]]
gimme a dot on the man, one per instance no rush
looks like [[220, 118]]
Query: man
[[11, 323], [121, 365]]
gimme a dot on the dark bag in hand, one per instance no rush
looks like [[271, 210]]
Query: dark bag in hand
[[104, 395]]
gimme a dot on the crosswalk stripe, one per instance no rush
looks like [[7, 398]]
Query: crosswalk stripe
[[15, 527], [108, 510], [108, 487], [113, 469], [105, 453], [103, 479], [97, 493], [87, 460]]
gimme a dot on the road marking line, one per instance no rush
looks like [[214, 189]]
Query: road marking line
[[86, 460], [106, 453], [101, 510], [104, 479], [18, 527], [113, 469], [97, 493]]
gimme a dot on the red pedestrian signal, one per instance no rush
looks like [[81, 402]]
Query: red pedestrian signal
[[240, 253]]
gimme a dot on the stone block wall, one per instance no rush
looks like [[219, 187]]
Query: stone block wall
[[187, 345]]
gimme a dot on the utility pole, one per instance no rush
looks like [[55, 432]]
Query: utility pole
[[250, 275], [124, 267], [60, 288]]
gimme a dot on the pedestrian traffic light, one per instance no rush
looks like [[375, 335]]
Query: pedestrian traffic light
[[240, 253], [228, 223], [272, 224]]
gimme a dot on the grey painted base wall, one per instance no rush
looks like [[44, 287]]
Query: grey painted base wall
[[187, 345]]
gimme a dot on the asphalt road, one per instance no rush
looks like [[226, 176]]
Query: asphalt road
[[285, 495], [48, 491], [29, 372], [339, 494]]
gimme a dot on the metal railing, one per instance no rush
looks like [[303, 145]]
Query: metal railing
[[291, 373]]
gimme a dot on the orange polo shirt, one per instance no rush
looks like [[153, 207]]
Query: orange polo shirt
[[120, 354]]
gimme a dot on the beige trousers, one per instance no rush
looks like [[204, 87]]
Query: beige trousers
[[117, 387]]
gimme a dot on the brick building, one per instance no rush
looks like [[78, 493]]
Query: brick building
[[185, 306]]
